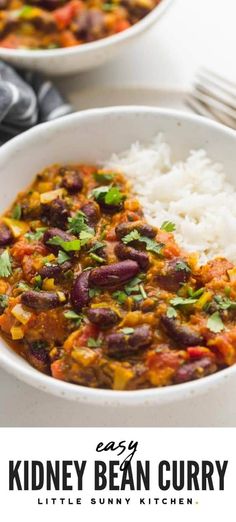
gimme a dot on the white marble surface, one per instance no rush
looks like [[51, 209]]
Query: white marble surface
[[193, 33]]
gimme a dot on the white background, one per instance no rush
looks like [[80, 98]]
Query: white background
[[192, 33], [154, 445]]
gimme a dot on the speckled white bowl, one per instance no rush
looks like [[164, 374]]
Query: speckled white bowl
[[59, 62], [92, 136]]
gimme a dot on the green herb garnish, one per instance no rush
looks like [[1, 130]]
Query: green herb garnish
[[96, 246], [120, 296], [16, 211], [224, 303], [127, 330], [179, 301], [171, 312], [5, 264], [181, 265], [3, 301], [67, 246], [195, 293], [73, 316], [94, 292], [62, 257], [78, 224], [37, 282], [168, 226], [102, 177], [215, 323], [93, 343], [37, 235], [110, 195], [97, 258], [151, 244]]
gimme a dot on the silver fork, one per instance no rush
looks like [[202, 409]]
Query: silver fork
[[214, 97]]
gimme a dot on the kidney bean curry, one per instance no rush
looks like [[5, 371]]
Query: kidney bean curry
[[92, 294], [49, 24]]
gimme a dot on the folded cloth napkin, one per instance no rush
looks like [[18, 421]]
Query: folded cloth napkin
[[26, 99]]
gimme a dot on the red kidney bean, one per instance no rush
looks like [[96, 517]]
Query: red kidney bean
[[195, 370], [124, 252], [56, 213], [80, 291], [143, 228], [114, 275], [103, 317], [41, 300], [38, 355], [120, 345], [183, 335], [54, 271], [6, 236], [53, 232], [71, 180], [173, 277], [92, 212]]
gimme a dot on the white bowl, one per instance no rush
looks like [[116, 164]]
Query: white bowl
[[92, 136], [59, 62]]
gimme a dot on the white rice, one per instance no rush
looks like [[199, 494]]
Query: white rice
[[194, 194]]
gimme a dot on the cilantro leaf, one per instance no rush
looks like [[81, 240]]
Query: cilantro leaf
[[62, 257], [85, 237], [101, 177], [73, 316], [127, 330], [110, 195], [151, 244], [67, 246], [215, 323], [171, 312], [94, 292], [3, 301], [37, 235], [168, 226], [5, 264], [96, 246], [181, 265], [16, 211], [179, 301], [119, 296], [93, 343], [78, 224]]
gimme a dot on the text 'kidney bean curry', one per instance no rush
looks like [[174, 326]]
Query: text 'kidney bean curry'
[[92, 294], [49, 24]]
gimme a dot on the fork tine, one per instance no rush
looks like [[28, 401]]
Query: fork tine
[[207, 97], [217, 92], [216, 78], [200, 108]]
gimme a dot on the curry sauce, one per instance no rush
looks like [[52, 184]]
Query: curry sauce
[[92, 294]]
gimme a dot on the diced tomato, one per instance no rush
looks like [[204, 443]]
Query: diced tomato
[[67, 39], [121, 25], [163, 359], [64, 15], [197, 352], [111, 235], [57, 369], [11, 42], [22, 248]]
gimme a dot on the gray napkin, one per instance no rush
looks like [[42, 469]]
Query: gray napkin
[[26, 99]]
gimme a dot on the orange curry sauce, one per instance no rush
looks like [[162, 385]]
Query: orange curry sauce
[[90, 293]]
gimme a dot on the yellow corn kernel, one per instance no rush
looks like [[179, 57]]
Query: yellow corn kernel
[[22, 315], [17, 333], [61, 296], [84, 356], [203, 300], [44, 186], [232, 274], [17, 228], [162, 377], [48, 197], [49, 284], [121, 377]]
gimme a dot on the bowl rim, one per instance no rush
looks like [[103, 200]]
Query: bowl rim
[[97, 45], [96, 396]]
